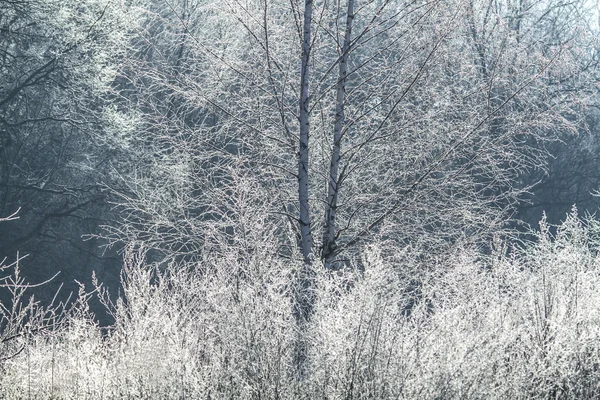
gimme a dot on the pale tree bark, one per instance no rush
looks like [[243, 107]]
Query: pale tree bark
[[303, 301], [329, 233], [303, 173]]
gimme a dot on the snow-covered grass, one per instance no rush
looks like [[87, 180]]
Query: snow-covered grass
[[523, 322]]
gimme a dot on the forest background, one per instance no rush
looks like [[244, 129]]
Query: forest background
[[300, 198]]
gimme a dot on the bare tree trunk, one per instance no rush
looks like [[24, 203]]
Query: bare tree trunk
[[305, 227], [329, 233], [303, 298]]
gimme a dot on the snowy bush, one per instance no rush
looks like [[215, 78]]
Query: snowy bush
[[522, 322]]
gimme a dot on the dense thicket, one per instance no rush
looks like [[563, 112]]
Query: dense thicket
[[517, 324], [310, 197]]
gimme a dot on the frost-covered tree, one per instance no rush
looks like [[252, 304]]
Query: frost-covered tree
[[304, 131], [406, 121]]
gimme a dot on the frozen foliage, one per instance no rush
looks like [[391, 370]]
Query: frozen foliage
[[445, 107], [523, 322]]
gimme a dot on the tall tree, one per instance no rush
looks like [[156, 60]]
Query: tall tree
[[307, 130]]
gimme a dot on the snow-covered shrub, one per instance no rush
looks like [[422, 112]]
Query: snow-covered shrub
[[521, 322]]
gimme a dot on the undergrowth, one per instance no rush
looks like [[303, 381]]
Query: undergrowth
[[520, 323]]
